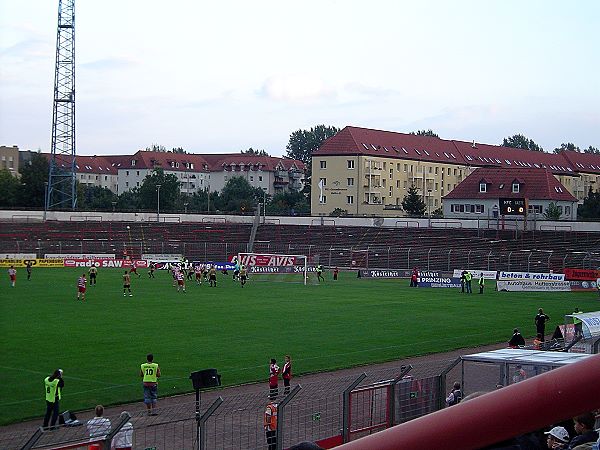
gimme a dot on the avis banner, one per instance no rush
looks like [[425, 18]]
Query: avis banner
[[257, 259], [106, 263], [533, 286], [531, 276]]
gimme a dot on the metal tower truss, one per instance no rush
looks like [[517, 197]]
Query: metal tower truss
[[62, 193]]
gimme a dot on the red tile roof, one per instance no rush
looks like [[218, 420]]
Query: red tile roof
[[535, 184], [583, 162], [364, 141]]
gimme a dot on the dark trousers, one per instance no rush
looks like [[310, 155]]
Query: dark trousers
[[542, 331], [51, 409], [481, 288], [271, 439], [469, 289]]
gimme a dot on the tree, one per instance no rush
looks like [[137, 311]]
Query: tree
[[520, 141], [412, 202], [593, 150], [239, 196], [129, 200], [569, 146], [9, 186], [428, 133], [338, 212], [552, 212], [251, 151], [292, 202], [156, 148], [178, 150], [169, 191], [34, 175], [94, 198], [303, 143], [590, 209]]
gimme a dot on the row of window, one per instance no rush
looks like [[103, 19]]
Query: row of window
[[91, 177], [378, 165], [480, 209], [516, 187]]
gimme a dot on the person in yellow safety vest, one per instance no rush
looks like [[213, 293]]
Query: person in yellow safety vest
[[481, 283], [150, 373], [468, 279], [270, 424], [577, 323], [53, 386]]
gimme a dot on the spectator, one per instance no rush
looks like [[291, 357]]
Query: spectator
[[53, 386], [455, 395], [462, 281], [123, 440], [577, 322], [540, 323], [584, 427], [537, 342], [557, 438], [516, 340], [98, 427], [520, 374]]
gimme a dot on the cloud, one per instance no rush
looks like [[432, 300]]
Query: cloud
[[27, 49], [296, 88], [109, 64]]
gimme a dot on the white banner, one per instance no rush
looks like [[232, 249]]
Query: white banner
[[18, 256], [80, 255], [531, 276], [487, 274], [534, 286], [162, 257]]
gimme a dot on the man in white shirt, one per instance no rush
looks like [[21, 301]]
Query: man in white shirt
[[98, 427]]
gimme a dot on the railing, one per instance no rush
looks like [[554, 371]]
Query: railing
[[345, 257]]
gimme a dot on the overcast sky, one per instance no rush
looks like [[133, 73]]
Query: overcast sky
[[222, 76]]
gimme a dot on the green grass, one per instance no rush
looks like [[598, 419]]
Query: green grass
[[101, 343]]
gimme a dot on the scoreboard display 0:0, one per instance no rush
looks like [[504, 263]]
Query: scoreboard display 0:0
[[513, 206]]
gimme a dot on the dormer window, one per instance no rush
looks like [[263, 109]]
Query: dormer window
[[482, 187], [515, 187], [133, 162]]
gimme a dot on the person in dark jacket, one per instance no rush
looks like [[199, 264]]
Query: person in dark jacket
[[584, 427], [516, 340], [540, 322]]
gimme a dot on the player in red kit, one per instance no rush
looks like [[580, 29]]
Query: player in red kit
[[180, 281], [274, 372], [81, 285], [12, 274]]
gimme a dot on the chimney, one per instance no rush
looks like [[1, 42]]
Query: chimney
[[473, 145]]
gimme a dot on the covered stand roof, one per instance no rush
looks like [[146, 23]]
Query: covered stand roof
[[526, 357]]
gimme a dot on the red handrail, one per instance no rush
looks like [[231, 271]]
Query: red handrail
[[538, 402]]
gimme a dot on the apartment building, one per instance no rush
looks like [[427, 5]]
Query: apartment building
[[368, 172]]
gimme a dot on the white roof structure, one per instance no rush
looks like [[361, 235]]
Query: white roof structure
[[526, 357]]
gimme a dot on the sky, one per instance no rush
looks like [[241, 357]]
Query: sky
[[223, 76]]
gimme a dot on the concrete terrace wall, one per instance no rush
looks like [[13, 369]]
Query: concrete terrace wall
[[66, 216]]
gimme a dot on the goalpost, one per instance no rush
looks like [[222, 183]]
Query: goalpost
[[275, 267]]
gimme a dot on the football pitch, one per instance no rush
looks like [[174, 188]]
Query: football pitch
[[100, 343]]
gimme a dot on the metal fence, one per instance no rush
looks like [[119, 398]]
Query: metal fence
[[324, 406], [364, 257]]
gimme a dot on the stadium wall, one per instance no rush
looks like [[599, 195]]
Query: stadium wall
[[146, 217]]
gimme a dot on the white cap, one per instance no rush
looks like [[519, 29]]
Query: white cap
[[559, 433]]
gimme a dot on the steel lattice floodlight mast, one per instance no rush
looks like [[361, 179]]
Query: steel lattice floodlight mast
[[62, 172]]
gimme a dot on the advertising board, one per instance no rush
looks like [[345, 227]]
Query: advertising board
[[81, 255], [487, 274], [533, 286], [531, 276], [35, 262], [581, 274], [106, 263]]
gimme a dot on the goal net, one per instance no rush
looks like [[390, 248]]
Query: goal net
[[275, 267]]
